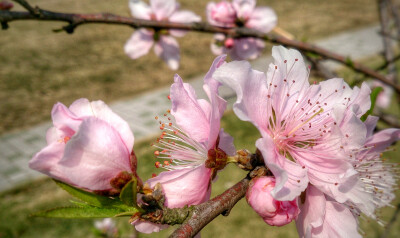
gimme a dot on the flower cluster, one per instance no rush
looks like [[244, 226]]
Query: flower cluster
[[313, 141], [324, 162], [240, 13]]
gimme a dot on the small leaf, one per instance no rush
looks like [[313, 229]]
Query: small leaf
[[87, 197], [374, 95], [79, 212], [128, 193]]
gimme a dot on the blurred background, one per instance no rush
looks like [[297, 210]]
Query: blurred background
[[40, 68]]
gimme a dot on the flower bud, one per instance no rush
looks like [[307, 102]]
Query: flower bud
[[6, 5], [223, 13], [229, 43], [273, 212], [89, 146]]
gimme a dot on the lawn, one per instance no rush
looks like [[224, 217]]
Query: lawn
[[16, 205], [40, 67]]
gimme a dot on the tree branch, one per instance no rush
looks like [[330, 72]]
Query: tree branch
[[76, 20], [206, 212]]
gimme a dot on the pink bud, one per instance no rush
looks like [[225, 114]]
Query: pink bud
[[224, 13], [229, 43], [6, 5], [274, 213]]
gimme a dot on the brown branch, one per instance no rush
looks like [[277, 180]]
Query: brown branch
[[75, 20], [206, 212]]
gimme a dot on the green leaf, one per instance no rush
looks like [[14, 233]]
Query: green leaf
[[128, 193], [87, 197], [374, 95], [79, 204], [79, 212]]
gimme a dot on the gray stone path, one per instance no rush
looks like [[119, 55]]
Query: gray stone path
[[16, 149]]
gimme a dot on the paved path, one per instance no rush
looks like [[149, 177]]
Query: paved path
[[16, 149]]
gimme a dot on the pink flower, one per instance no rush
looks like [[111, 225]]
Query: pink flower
[[376, 178], [320, 216], [307, 130], [165, 46], [88, 146], [274, 213], [237, 14], [221, 14], [195, 148]]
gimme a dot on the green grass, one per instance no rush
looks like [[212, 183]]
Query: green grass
[[39, 67], [16, 205]]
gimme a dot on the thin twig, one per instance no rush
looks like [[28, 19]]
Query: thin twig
[[75, 20], [27, 6]]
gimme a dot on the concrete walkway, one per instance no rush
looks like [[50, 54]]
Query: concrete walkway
[[16, 149]]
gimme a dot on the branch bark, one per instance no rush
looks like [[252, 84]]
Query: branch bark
[[206, 212], [76, 20]]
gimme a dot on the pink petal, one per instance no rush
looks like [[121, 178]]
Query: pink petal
[[226, 143], [184, 186], [244, 8], [182, 17], [383, 139], [46, 160], [339, 222], [163, 9], [95, 155], [333, 92], [263, 19], [291, 66], [84, 108], [370, 124], [140, 9], [148, 227], [139, 44], [167, 49], [361, 97], [64, 119], [291, 178], [188, 113], [218, 104], [208, 79], [251, 90], [312, 212]]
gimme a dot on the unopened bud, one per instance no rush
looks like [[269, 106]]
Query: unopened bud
[[6, 5], [273, 212]]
